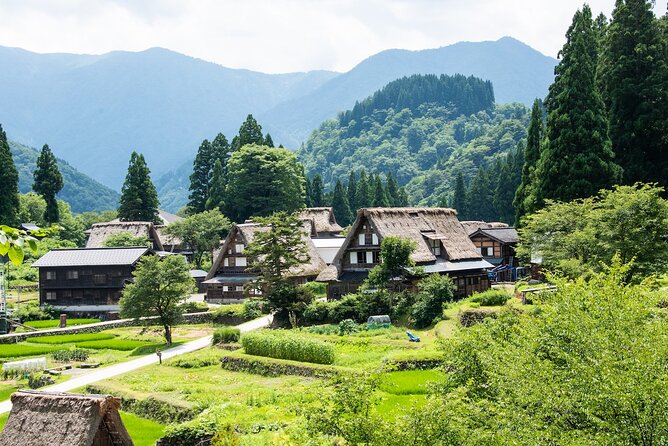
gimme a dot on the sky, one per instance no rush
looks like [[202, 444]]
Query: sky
[[277, 36]]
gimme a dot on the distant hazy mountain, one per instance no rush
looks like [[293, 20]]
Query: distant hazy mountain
[[518, 72], [94, 110], [80, 191]]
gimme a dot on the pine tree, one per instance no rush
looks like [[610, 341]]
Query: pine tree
[[220, 150], [403, 197], [317, 191], [525, 201], [577, 161], [340, 205], [9, 184], [459, 198], [268, 141], [392, 190], [250, 132], [200, 178], [634, 76], [504, 192], [363, 192], [139, 199], [216, 197], [480, 197], [309, 192], [379, 193], [48, 182], [352, 191]]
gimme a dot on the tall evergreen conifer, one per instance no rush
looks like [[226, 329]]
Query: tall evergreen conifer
[[634, 74], [200, 178], [340, 205], [268, 141], [379, 193], [578, 160], [525, 196], [9, 184], [392, 190], [250, 132], [364, 192], [139, 199], [216, 197], [317, 191], [48, 182], [352, 192], [459, 198], [309, 192]]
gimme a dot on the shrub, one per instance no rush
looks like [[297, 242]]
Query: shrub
[[474, 316], [348, 327], [252, 309], [434, 292], [31, 311], [317, 312], [37, 381], [318, 289], [286, 345], [73, 354], [491, 298], [348, 307], [69, 339], [194, 307], [230, 310], [226, 335]]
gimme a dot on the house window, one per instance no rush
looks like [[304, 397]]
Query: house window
[[353, 258], [66, 294], [376, 257], [362, 239], [99, 279], [239, 288], [241, 261], [229, 251], [374, 239], [72, 274], [369, 257], [50, 275], [487, 251], [435, 247], [226, 288], [226, 262], [239, 248], [50, 295]]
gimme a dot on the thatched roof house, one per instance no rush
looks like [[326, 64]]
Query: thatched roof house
[[323, 221], [472, 226], [64, 419], [230, 270], [442, 246], [99, 232]]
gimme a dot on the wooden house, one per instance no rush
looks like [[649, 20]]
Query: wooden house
[[99, 233], [86, 281], [442, 246], [495, 241], [64, 419], [230, 273]]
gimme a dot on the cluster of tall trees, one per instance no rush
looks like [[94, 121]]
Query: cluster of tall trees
[[48, 181], [360, 191], [607, 110]]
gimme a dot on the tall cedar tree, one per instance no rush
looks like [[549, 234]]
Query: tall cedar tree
[[379, 194], [364, 192], [352, 192], [262, 181], [480, 197], [578, 160], [216, 195], [139, 199], [250, 132], [504, 192], [200, 178], [309, 193], [48, 182], [525, 196], [268, 141], [340, 205], [634, 76], [392, 190], [9, 184], [459, 198], [317, 191]]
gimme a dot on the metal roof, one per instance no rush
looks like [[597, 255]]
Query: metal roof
[[230, 279], [504, 235], [91, 257], [446, 266]]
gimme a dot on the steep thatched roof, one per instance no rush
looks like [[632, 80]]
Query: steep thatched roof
[[322, 218], [100, 231], [247, 233], [472, 226], [165, 239], [64, 419]]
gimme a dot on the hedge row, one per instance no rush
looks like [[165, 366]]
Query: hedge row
[[276, 367], [284, 345], [474, 316], [226, 335]]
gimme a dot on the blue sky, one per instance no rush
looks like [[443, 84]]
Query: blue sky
[[282, 35]]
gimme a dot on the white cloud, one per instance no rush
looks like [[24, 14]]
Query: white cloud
[[281, 35]]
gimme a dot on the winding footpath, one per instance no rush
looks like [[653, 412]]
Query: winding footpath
[[124, 367]]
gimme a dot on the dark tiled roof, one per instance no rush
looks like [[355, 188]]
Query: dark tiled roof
[[504, 235], [91, 257]]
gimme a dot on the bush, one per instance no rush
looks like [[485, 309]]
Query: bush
[[286, 345], [348, 327], [226, 335], [252, 309], [37, 381], [69, 339], [474, 316], [31, 311], [73, 354], [491, 298], [317, 312], [318, 289], [435, 291], [230, 310], [194, 307], [348, 307]]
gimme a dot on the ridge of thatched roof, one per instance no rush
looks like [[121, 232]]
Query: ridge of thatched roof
[[322, 218], [100, 231], [65, 419], [472, 226], [419, 225], [167, 239]]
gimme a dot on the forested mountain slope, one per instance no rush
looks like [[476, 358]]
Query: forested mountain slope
[[424, 130], [81, 192]]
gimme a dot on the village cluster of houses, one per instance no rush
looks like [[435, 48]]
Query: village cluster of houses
[[473, 253]]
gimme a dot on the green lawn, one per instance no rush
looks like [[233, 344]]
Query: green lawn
[[70, 338], [409, 382], [55, 323]]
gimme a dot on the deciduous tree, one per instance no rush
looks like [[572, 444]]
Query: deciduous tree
[[201, 233]]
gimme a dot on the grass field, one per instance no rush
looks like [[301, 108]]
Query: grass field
[[409, 382], [24, 349], [55, 323], [70, 339]]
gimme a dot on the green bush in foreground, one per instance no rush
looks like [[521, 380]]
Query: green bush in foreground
[[73, 354], [286, 345], [69, 339], [226, 335], [491, 298]]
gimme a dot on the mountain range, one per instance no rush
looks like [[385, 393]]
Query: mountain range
[[93, 110]]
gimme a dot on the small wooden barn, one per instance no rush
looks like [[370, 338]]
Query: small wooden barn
[[64, 419]]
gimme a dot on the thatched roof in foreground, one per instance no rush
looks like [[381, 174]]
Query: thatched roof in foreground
[[64, 419], [100, 231], [323, 220]]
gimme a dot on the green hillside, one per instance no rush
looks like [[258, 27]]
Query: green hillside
[[423, 129], [81, 192]]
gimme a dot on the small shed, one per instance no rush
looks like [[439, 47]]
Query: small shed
[[380, 321], [64, 419]]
